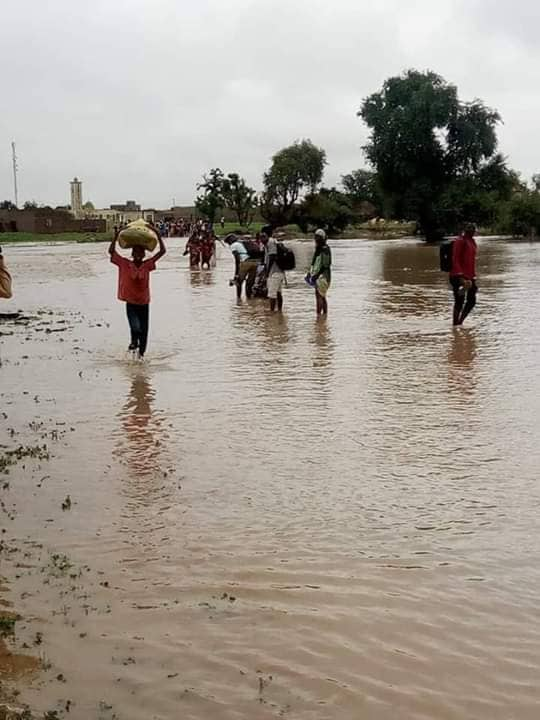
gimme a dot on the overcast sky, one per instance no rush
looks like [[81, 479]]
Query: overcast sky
[[140, 97]]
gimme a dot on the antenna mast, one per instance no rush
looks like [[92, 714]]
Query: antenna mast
[[15, 168]]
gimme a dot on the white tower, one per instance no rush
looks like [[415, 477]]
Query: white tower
[[76, 197]]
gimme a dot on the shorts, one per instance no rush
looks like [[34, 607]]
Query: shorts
[[274, 284], [322, 286]]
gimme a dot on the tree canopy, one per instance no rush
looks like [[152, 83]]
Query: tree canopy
[[295, 169], [239, 198], [211, 199], [423, 138], [329, 209]]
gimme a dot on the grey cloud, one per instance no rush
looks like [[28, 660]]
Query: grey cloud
[[140, 97]]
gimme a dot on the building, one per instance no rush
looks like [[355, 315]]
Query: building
[[46, 220], [130, 206], [118, 214], [76, 197]]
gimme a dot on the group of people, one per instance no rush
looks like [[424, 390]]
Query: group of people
[[170, 228], [261, 265], [201, 247]]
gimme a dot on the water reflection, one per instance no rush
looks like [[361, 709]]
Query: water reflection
[[201, 277], [323, 344], [139, 437], [462, 353]]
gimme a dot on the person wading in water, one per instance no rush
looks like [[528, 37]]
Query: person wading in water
[[275, 277], [463, 274], [134, 290], [320, 273]]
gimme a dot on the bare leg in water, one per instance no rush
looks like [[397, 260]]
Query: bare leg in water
[[322, 305]]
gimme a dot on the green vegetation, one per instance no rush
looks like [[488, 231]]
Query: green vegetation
[[294, 169], [424, 143], [239, 198], [8, 458], [211, 199], [231, 192], [230, 227], [7, 624], [24, 237]]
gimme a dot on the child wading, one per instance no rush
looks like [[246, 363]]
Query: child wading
[[134, 290]]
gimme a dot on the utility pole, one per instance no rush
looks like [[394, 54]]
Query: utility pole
[[15, 168]]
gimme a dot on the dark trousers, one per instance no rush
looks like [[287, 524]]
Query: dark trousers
[[138, 324], [464, 300]]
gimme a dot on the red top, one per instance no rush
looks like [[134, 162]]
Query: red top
[[133, 281], [464, 257]]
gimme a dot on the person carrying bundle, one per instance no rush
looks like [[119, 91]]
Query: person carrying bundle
[[5, 279], [134, 278]]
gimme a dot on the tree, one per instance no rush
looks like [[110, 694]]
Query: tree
[[294, 169], [360, 185], [423, 138], [7, 205], [211, 199], [239, 198], [30, 205], [521, 214], [362, 189], [479, 196], [328, 208]]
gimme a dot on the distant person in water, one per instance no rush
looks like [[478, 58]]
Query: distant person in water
[[320, 273], [193, 248], [208, 249], [463, 274], [134, 290]]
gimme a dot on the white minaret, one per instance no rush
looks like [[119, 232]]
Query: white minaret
[[76, 197]]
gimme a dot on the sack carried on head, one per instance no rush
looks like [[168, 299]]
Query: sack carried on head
[[138, 233]]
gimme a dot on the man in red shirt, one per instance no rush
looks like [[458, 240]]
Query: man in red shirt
[[134, 290], [463, 274]]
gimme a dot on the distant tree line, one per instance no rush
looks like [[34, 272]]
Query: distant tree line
[[432, 158]]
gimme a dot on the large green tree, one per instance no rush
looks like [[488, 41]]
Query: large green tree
[[211, 199], [362, 188], [239, 198], [294, 170], [422, 139], [328, 209]]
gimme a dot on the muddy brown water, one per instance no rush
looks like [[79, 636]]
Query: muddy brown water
[[274, 517]]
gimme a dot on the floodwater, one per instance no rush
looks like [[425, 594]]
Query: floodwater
[[273, 516]]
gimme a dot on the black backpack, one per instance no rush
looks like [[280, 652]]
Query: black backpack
[[253, 250], [445, 256], [285, 259]]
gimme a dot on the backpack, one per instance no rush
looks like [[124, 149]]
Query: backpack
[[253, 250], [445, 256], [285, 259]]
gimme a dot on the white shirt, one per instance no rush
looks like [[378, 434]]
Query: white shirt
[[239, 249]]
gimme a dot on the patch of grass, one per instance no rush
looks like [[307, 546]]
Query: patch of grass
[[12, 457], [24, 237], [7, 625], [230, 227]]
